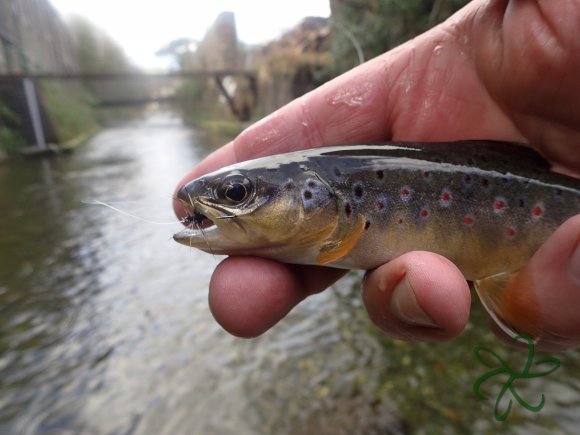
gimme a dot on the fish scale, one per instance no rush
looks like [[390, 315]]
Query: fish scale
[[486, 206]]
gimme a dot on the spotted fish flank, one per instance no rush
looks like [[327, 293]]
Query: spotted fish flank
[[487, 206]]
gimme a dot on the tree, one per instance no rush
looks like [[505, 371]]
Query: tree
[[375, 26]]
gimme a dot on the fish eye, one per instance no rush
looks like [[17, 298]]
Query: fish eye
[[236, 192], [236, 188]]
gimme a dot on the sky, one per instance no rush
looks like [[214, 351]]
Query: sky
[[142, 27]]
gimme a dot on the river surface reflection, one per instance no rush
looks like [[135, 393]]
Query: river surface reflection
[[105, 329]]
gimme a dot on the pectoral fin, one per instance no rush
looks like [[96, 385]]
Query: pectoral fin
[[510, 300], [342, 242]]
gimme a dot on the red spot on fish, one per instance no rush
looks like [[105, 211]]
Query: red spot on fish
[[445, 198], [538, 211], [467, 179], [468, 220], [424, 213], [400, 221], [406, 193], [510, 232], [499, 205], [380, 205]]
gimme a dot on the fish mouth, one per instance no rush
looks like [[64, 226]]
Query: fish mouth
[[198, 228], [197, 220], [202, 219], [193, 215]]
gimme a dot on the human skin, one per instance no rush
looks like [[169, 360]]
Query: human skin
[[498, 69]]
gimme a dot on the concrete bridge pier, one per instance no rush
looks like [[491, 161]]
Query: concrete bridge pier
[[33, 106]]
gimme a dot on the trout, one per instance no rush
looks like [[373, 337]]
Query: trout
[[486, 206]]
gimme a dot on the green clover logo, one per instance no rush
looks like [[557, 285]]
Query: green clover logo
[[513, 375]]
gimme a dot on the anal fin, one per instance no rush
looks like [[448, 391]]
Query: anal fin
[[510, 301], [342, 243]]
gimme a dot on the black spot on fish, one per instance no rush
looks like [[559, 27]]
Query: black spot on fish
[[307, 194], [521, 203], [289, 185], [367, 225], [504, 180], [484, 182], [470, 161], [337, 172], [484, 158], [380, 174], [358, 191], [347, 209], [558, 192], [311, 184]]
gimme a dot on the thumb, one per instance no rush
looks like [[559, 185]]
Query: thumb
[[418, 296], [555, 276]]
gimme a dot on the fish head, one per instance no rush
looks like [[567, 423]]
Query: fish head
[[283, 212]]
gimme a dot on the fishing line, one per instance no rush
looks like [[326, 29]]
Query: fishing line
[[123, 212]]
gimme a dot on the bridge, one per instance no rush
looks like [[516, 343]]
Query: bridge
[[143, 87], [127, 89], [124, 88], [20, 75]]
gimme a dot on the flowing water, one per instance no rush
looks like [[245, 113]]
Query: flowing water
[[105, 329]]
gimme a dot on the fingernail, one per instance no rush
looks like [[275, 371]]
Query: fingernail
[[575, 265], [405, 307]]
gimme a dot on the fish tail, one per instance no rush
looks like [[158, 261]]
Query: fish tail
[[511, 302]]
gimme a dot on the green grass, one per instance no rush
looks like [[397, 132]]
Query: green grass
[[11, 139], [69, 108]]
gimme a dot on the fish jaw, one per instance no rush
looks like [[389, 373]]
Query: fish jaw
[[197, 238], [202, 230]]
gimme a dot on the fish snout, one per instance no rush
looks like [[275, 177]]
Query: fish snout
[[183, 203], [189, 214]]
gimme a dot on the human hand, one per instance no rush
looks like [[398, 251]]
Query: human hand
[[496, 70]]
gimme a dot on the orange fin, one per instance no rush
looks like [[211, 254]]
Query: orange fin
[[336, 249], [510, 301]]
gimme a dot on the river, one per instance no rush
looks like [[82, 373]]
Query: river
[[105, 328]]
